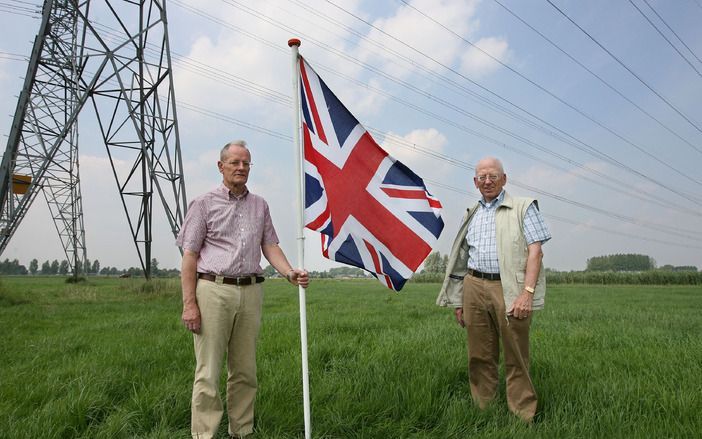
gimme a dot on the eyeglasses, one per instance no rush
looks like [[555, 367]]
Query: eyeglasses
[[492, 177], [237, 163]]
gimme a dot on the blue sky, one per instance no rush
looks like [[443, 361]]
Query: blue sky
[[609, 178]]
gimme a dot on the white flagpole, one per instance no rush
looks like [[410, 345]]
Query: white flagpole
[[294, 44]]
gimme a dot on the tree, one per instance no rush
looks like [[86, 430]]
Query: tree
[[154, 267], [269, 271], [21, 269], [621, 262], [46, 267], [54, 267], [346, 272], [669, 267], [63, 268], [95, 267], [33, 266], [86, 266], [434, 263], [12, 267]]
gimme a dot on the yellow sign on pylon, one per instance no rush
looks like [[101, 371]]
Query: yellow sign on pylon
[[20, 183]]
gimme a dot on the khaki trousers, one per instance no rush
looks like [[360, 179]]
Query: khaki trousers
[[487, 323], [231, 318]]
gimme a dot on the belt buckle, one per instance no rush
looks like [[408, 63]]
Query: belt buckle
[[219, 279]]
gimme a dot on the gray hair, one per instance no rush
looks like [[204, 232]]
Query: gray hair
[[225, 148], [491, 160]]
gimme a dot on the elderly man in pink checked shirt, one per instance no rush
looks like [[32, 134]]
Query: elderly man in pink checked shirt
[[223, 235]]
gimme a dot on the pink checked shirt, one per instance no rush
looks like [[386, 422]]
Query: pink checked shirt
[[227, 232]]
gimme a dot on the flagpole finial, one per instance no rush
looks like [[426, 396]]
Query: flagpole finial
[[294, 42]]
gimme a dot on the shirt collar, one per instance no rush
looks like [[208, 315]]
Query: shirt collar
[[494, 203], [225, 192]]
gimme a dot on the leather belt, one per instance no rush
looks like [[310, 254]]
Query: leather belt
[[481, 275], [239, 281]]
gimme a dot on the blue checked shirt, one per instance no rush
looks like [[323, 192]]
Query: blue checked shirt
[[481, 236]]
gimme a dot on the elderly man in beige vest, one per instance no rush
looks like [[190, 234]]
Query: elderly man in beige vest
[[494, 280]]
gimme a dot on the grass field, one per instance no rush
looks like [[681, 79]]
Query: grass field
[[110, 359]]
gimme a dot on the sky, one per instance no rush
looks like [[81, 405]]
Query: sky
[[592, 108]]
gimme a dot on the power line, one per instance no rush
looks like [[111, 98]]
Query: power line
[[14, 11], [413, 88], [13, 56], [221, 76], [687, 234], [697, 2], [672, 31], [620, 233], [19, 8], [228, 25], [599, 153], [454, 162], [602, 80], [575, 223], [670, 43], [254, 127], [620, 187], [285, 100], [621, 63], [27, 3], [455, 108], [233, 120], [653, 226], [545, 90]]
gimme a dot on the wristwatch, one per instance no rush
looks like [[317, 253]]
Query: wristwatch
[[529, 290]]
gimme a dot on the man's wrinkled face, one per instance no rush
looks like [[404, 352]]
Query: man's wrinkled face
[[489, 179], [235, 166]]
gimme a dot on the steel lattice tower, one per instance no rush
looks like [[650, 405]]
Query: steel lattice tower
[[119, 63]]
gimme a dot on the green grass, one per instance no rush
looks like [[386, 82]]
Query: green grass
[[110, 359]]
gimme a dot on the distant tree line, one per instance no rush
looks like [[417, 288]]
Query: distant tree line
[[12, 267], [677, 268], [629, 269], [621, 262], [336, 272], [93, 268], [649, 277]]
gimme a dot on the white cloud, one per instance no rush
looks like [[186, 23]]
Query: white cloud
[[476, 63], [410, 28]]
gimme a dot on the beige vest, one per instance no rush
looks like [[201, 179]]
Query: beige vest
[[511, 252]]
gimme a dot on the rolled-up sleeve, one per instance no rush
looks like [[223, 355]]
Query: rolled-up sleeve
[[194, 229]]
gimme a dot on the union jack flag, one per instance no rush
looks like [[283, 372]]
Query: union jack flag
[[372, 211]]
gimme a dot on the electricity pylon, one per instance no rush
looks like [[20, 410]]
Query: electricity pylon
[[114, 56]]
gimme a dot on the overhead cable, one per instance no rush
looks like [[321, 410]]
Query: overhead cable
[[600, 78], [621, 63], [670, 43]]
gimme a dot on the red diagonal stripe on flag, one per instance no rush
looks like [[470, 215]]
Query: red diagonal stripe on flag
[[313, 106], [376, 263]]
